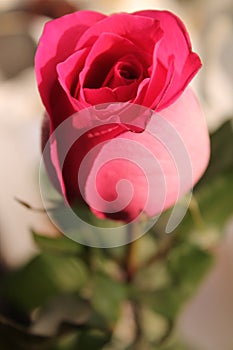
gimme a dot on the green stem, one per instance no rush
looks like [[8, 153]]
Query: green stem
[[131, 267], [196, 214], [132, 253], [138, 326], [162, 251], [167, 334]]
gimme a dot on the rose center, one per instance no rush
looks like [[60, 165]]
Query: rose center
[[108, 73], [123, 73], [128, 73]]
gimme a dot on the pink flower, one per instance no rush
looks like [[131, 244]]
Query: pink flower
[[85, 59]]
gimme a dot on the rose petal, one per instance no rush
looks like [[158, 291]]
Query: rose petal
[[161, 79], [57, 42], [189, 132], [180, 82], [106, 51], [175, 43], [134, 28], [88, 141], [50, 157], [68, 75], [175, 36], [107, 95], [126, 93], [98, 96], [126, 71]]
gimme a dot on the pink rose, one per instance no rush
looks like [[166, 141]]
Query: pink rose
[[85, 59]]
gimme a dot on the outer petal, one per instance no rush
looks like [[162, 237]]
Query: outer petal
[[57, 42], [179, 82], [180, 132], [68, 75], [78, 151], [175, 43], [134, 28], [175, 36], [50, 157], [65, 148]]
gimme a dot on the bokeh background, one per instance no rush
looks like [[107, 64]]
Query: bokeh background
[[206, 321]]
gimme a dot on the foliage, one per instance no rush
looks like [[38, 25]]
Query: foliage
[[72, 297]]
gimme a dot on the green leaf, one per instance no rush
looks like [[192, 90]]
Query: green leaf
[[186, 266], [214, 192], [215, 201], [13, 336], [107, 297], [221, 159], [45, 276], [62, 314], [58, 245], [67, 342], [166, 302], [93, 340]]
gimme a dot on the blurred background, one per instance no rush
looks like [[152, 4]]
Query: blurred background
[[206, 321]]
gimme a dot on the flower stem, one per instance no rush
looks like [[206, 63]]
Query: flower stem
[[132, 253], [196, 214], [162, 252], [136, 307], [167, 334]]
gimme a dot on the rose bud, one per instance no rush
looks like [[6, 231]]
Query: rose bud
[[93, 73]]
